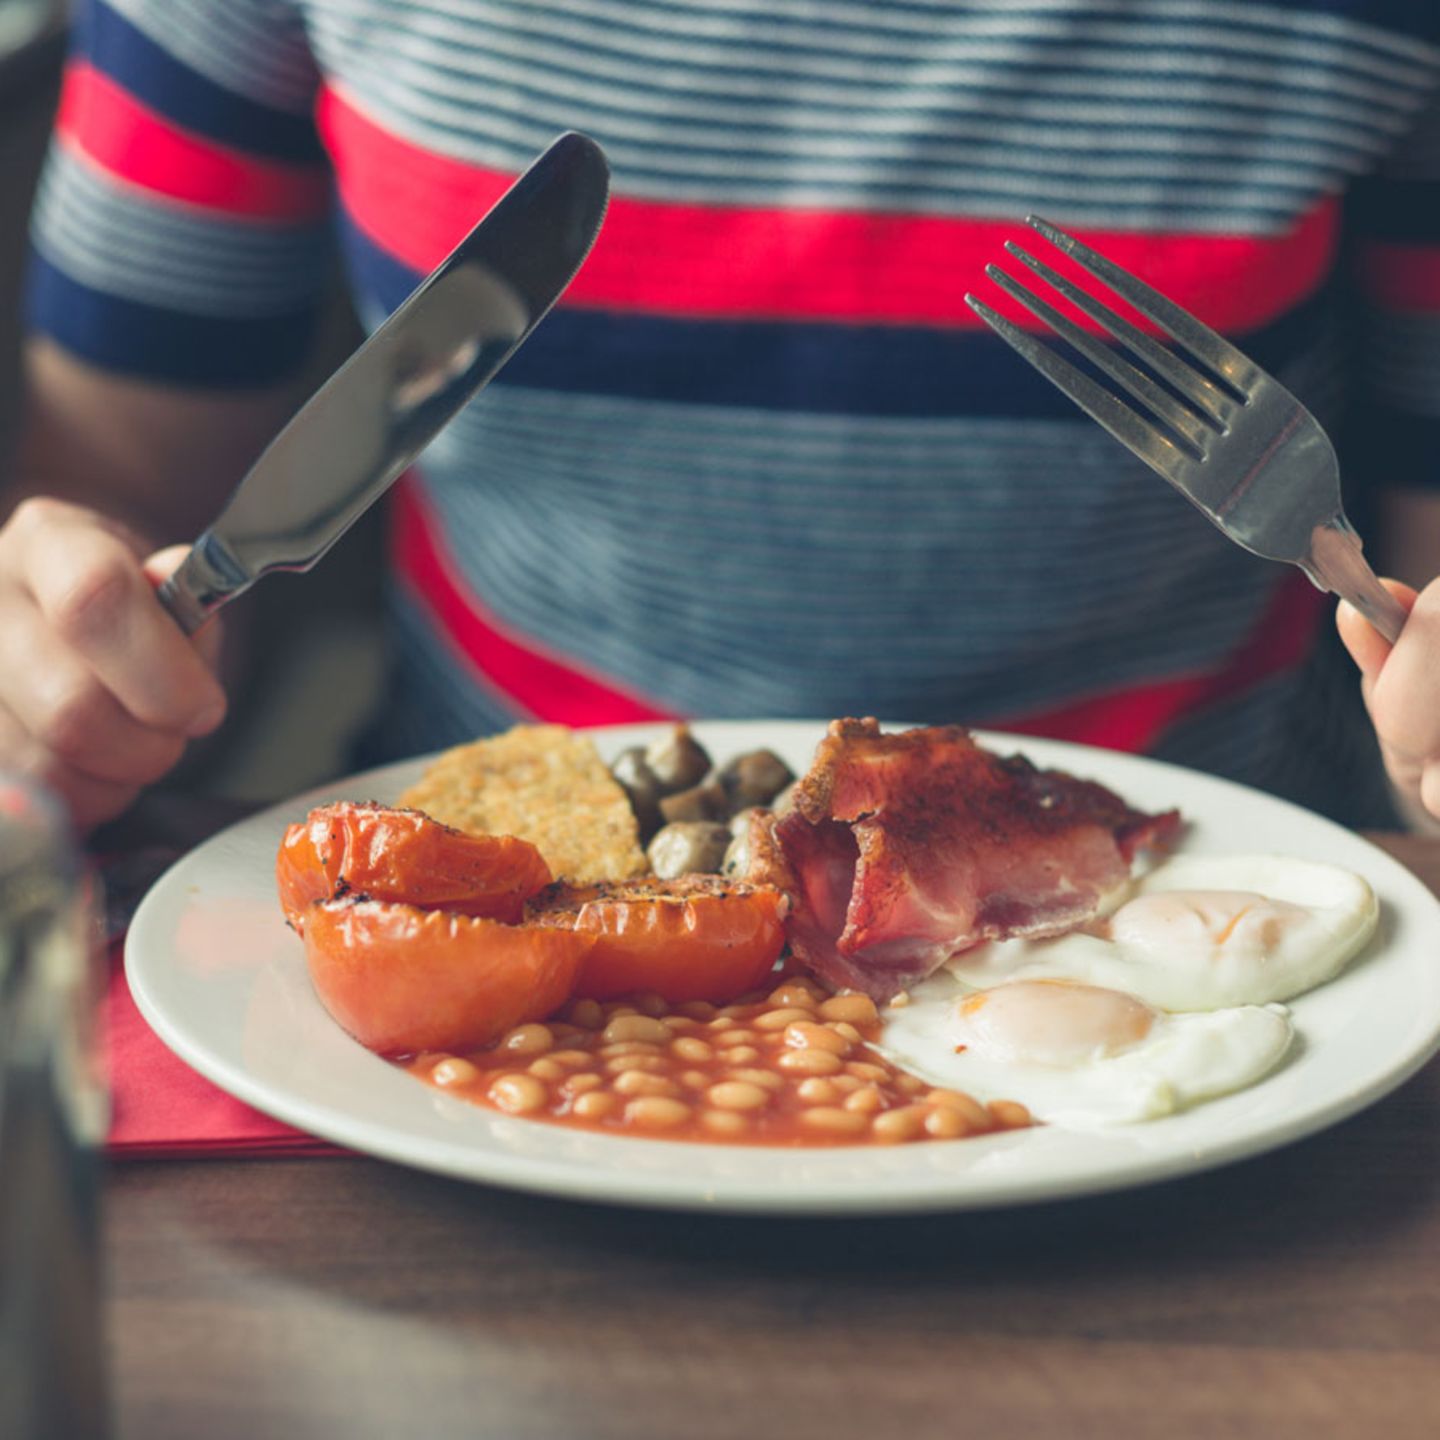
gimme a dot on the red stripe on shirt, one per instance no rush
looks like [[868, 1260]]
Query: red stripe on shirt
[[737, 261], [1401, 277], [1136, 718], [107, 124], [541, 684], [548, 688]]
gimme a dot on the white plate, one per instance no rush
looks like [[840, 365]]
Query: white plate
[[222, 980]]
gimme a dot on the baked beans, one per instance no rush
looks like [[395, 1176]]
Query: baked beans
[[791, 1066]]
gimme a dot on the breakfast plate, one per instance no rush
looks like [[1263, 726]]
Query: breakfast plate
[[220, 978]]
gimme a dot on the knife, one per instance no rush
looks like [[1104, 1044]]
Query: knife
[[396, 393]]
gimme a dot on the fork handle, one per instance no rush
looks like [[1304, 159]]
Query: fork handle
[[1337, 563]]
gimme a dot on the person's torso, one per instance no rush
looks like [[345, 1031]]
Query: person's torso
[[763, 459]]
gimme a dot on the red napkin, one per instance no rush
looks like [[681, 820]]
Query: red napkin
[[160, 1106]]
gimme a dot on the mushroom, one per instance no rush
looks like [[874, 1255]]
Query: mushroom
[[700, 802], [677, 761], [754, 778], [737, 853], [688, 847], [643, 787]]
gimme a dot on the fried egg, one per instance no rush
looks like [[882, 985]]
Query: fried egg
[[1201, 933], [1079, 1056]]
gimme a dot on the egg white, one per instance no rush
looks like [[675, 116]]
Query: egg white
[[1181, 1061], [1199, 933]]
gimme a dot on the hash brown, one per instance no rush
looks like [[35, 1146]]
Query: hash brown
[[546, 784]]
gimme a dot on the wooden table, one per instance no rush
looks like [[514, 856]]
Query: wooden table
[[1296, 1295]]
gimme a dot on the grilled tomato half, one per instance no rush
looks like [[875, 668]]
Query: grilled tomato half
[[402, 979], [381, 853], [700, 937]]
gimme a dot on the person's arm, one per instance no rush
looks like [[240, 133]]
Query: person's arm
[[181, 254], [1397, 222], [156, 455], [99, 690]]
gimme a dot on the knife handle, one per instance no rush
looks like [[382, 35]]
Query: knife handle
[[204, 580]]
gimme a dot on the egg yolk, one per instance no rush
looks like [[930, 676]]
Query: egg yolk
[[1056, 1023], [1195, 924]]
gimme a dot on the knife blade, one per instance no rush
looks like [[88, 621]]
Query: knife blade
[[394, 395]]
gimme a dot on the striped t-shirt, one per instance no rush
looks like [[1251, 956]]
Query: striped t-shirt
[[763, 460]]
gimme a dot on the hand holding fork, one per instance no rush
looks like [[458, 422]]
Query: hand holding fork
[[1247, 453]]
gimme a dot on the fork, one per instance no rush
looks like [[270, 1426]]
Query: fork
[[1229, 437]]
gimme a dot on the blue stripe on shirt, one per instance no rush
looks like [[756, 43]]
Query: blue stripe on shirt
[[157, 344], [1404, 448], [132, 59], [819, 367], [1404, 211]]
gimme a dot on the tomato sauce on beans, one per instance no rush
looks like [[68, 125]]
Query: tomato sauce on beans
[[790, 1067]]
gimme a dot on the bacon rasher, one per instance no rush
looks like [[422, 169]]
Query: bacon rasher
[[904, 849]]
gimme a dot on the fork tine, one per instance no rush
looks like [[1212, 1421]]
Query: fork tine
[[1159, 452], [1219, 354], [1185, 423], [1213, 403]]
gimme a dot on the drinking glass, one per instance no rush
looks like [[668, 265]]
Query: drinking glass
[[52, 1118]]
